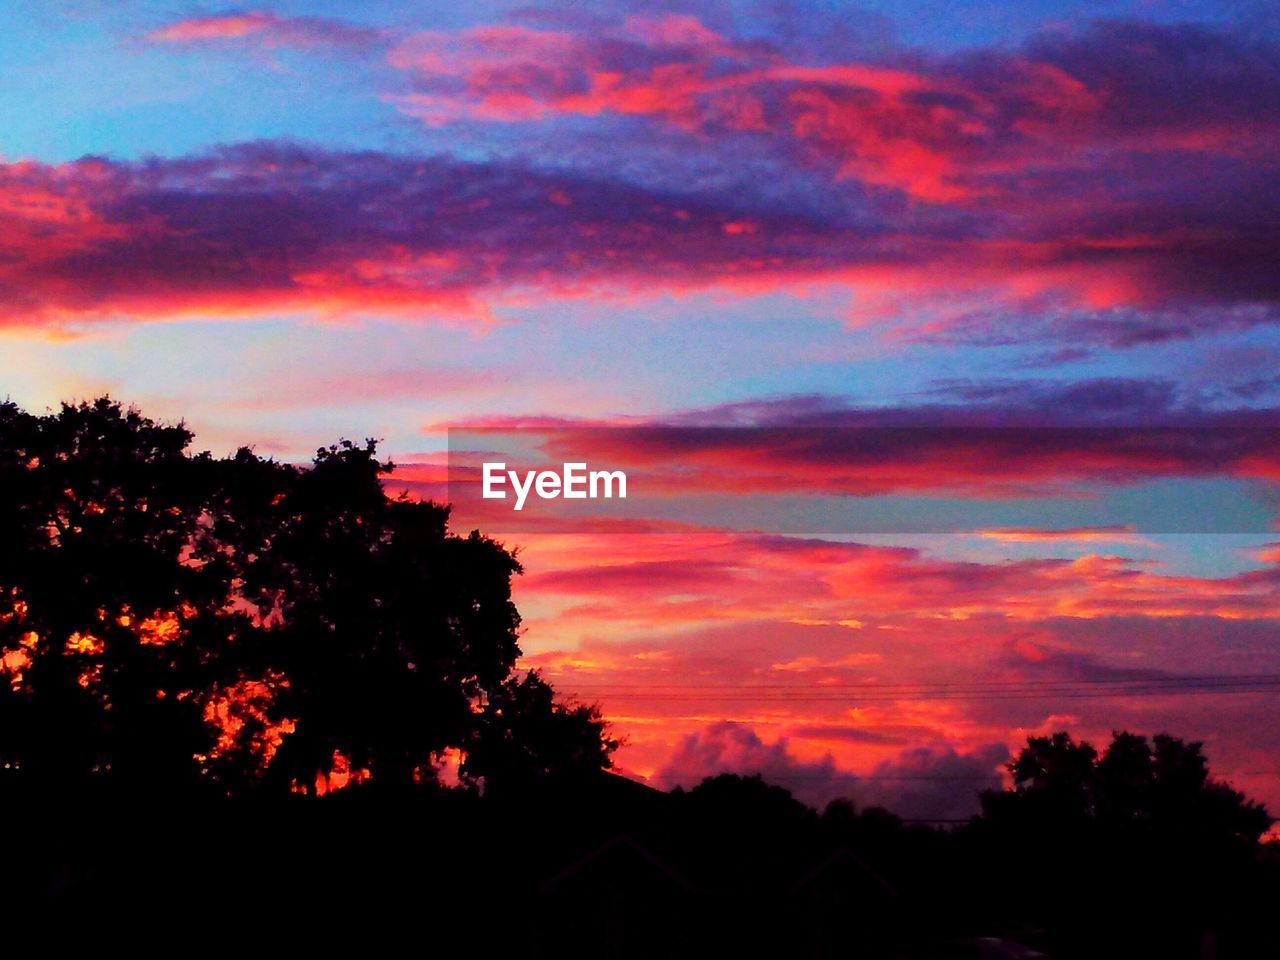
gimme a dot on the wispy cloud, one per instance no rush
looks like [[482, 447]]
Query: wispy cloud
[[269, 30], [1113, 534]]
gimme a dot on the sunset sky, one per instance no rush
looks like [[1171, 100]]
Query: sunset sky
[[1018, 232]]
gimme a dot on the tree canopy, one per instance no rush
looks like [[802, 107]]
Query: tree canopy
[[173, 621], [1157, 785]]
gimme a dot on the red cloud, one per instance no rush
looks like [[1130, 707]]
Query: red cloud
[[859, 652], [941, 130], [869, 117], [268, 228], [625, 583], [1097, 194]]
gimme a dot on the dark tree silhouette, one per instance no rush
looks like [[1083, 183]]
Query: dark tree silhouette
[[1136, 848], [171, 622], [1161, 785], [523, 736], [99, 505]]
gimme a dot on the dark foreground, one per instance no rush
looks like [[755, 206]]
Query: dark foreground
[[732, 868]]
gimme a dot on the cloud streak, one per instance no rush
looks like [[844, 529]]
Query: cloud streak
[[268, 30]]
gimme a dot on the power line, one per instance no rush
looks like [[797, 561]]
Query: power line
[[1101, 681], [1224, 684], [926, 778], [896, 698]]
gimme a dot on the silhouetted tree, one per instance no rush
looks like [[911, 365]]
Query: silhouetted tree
[[99, 506], [178, 622], [1162, 784], [1136, 845], [523, 736]]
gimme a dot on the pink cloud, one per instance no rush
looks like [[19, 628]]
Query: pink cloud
[[267, 29], [925, 783], [267, 228], [941, 130]]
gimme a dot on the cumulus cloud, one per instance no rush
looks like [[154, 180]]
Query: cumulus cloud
[[934, 783], [925, 783], [736, 748]]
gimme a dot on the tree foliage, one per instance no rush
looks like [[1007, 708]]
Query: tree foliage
[[1161, 785], [173, 622]]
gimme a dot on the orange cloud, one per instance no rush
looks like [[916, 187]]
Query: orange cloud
[[220, 27], [1112, 534]]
